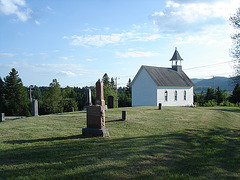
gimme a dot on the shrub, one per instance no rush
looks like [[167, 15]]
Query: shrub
[[210, 103], [227, 103]]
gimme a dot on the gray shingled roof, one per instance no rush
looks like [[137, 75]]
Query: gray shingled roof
[[168, 77], [176, 56]]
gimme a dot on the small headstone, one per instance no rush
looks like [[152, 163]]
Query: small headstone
[[2, 118], [124, 115], [35, 108], [110, 102], [160, 106], [72, 109]]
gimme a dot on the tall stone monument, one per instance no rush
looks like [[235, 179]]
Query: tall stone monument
[[88, 99], [35, 108], [99, 93], [2, 117], [96, 115]]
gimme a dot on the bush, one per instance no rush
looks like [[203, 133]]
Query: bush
[[210, 103], [227, 103]]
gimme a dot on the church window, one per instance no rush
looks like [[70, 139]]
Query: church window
[[175, 95], [185, 96], [166, 96]]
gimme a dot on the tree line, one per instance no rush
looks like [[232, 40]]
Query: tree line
[[15, 98], [218, 97]]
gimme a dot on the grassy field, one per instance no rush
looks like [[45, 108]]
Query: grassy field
[[172, 143]]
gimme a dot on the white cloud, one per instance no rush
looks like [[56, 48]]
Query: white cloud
[[64, 57], [7, 54], [17, 7], [136, 54], [188, 16], [37, 22], [66, 73], [114, 38]]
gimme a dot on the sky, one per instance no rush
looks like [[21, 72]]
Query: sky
[[77, 41]]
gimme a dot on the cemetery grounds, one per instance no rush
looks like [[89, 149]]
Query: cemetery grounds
[[172, 143]]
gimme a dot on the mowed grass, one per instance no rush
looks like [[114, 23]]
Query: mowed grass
[[172, 143]]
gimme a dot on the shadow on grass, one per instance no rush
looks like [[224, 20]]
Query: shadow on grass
[[226, 109], [200, 154], [45, 139], [117, 120]]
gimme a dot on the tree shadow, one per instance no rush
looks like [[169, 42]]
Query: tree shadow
[[45, 139], [234, 110], [117, 120], [200, 154]]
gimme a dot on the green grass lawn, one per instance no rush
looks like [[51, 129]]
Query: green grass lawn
[[172, 143]]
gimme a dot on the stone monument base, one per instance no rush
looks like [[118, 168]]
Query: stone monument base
[[93, 132]]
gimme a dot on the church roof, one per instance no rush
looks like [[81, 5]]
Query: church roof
[[176, 56], [167, 76]]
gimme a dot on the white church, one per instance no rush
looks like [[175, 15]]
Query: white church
[[169, 86]]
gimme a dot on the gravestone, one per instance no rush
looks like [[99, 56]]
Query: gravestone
[[88, 98], [2, 118], [35, 108], [99, 93], [72, 109], [160, 106], [96, 115], [110, 102], [124, 115]]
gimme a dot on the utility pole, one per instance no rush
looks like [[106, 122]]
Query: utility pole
[[30, 92], [116, 92], [213, 84]]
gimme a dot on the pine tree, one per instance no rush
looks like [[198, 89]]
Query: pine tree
[[112, 83], [219, 95], [105, 80], [235, 98], [15, 95], [53, 98], [235, 20], [210, 95]]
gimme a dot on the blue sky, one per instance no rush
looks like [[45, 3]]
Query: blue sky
[[78, 41]]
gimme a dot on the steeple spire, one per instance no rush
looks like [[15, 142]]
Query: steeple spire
[[175, 58]]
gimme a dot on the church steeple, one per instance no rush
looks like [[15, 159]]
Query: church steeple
[[175, 59]]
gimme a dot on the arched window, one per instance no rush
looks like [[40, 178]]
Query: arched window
[[185, 95], [175, 95], [166, 96]]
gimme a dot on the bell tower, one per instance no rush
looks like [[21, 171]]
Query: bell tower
[[176, 61]]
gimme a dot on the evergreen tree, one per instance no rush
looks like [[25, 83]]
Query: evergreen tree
[[210, 95], [219, 95], [2, 96], [112, 83], [105, 80], [53, 98], [69, 99], [129, 90], [15, 95], [235, 98]]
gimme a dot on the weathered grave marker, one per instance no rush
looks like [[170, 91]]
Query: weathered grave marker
[[88, 98], [35, 108], [99, 93], [2, 118], [124, 115], [160, 106], [96, 115], [110, 102]]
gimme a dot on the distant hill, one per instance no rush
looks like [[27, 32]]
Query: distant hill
[[222, 82]]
